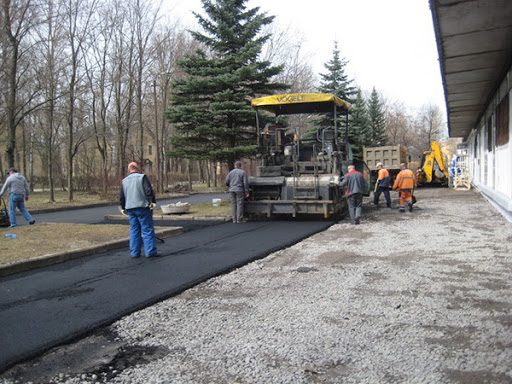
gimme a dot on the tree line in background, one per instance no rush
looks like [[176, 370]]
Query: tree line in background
[[89, 85]]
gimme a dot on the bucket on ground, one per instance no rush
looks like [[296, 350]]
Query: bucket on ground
[[216, 202]]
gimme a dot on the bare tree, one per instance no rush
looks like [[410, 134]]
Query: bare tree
[[143, 20], [121, 77], [286, 47], [97, 66], [49, 71], [17, 17], [169, 45], [399, 124], [79, 15], [430, 124]]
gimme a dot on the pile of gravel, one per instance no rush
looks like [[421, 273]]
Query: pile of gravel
[[402, 298]]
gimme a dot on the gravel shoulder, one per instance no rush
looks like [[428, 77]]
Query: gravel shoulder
[[422, 297]]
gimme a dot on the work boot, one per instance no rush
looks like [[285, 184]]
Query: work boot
[[410, 206]]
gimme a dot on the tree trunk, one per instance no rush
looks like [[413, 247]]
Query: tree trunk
[[208, 173], [31, 161], [189, 173], [50, 173], [215, 173], [12, 68]]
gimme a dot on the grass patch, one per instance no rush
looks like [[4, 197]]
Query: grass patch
[[206, 209], [41, 200], [203, 187], [49, 238]]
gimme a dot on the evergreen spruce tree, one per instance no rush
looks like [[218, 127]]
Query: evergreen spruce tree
[[359, 127], [336, 82], [378, 135], [210, 107]]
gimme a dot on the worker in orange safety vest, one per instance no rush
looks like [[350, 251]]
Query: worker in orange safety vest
[[404, 183], [382, 186]]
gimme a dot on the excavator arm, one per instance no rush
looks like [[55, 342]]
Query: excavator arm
[[428, 168], [438, 156]]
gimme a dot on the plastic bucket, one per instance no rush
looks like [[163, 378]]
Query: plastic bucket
[[216, 202]]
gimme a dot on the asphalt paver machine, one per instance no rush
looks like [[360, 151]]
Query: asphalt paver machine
[[301, 176]]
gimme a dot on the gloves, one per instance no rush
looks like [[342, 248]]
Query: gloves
[[152, 206]]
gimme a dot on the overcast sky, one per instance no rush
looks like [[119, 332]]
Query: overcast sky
[[389, 45]]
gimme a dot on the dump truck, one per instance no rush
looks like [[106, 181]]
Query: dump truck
[[390, 156], [301, 176]]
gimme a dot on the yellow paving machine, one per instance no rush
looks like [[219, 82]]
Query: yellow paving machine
[[300, 176]]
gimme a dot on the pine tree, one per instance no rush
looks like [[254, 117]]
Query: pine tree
[[336, 81], [378, 135], [211, 106], [359, 127]]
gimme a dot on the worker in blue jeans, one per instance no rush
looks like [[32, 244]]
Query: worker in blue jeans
[[138, 201], [18, 194]]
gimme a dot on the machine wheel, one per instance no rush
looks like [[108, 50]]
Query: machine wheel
[[341, 206]]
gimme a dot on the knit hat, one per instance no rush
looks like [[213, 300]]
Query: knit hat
[[12, 169]]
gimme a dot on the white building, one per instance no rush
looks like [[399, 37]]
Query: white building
[[474, 40]]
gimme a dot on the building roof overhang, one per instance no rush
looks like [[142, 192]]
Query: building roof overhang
[[474, 41]]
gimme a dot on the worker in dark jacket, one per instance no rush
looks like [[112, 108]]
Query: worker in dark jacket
[[238, 184], [138, 201], [382, 186], [354, 181]]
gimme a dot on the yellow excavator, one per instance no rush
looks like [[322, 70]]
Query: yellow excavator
[[432, 169]]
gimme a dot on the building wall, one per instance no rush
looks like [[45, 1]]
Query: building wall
[[490, 151]]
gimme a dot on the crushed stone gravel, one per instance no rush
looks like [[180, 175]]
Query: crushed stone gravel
[[421, 297]]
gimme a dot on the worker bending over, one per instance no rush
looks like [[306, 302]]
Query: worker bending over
[[404, 184]]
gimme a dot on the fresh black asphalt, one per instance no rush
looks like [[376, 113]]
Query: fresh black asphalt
[[45, 307]]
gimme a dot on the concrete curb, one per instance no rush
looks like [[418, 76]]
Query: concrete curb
[[173, 217], [45, 260]]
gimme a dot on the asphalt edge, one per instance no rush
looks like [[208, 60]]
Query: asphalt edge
[[50, 259]]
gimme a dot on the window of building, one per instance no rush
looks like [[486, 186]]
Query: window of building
[[150, 149], [502, 122]]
